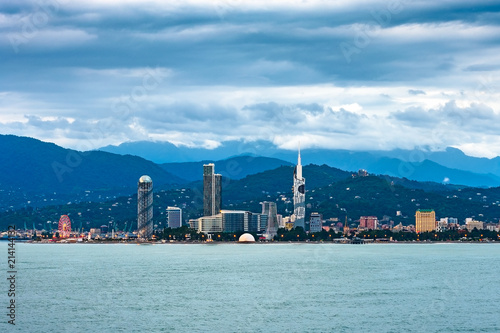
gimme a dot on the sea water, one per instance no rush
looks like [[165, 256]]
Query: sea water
[[254, 288]]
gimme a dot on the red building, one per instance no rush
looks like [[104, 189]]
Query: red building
[[368, 222]]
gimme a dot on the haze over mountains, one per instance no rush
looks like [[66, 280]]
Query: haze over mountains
[[448, 166]]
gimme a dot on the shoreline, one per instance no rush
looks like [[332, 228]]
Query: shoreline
[[258, 243]]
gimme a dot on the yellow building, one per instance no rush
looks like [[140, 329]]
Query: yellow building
[[425, 220]]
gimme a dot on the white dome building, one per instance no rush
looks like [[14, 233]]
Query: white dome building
[[246, 238]]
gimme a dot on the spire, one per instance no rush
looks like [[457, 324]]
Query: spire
[[299, 166], [298, 160]]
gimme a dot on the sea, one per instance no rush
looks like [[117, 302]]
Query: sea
[[290, 287]]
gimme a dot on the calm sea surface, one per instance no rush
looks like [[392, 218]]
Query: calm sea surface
[[254, 288]]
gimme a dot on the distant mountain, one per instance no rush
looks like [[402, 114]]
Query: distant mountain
[[279, 180], [35, 173], [35, 166], [166, 152], [430, 171], [449, 166], [234, 168], [456, 159]]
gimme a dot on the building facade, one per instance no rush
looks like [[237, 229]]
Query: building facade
[[269, 208], [299, 195], [174, 217], [316, 222], [368, 222], [145, 207], [232, 221], [425, 220], [235, 220], [212, 190], [210, 224], [470, 224], [259, 223], [281, 222]]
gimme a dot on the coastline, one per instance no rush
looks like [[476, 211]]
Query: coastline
[[262, 243]]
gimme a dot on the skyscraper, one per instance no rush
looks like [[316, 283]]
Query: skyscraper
[[299, 196], [145, 207], [174, 217], [212, 190]]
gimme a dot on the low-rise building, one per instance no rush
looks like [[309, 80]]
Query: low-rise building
[[315, 222], [491, 227], [470, 224], [210, 224]]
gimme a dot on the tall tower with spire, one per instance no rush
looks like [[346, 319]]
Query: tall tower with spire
[[299, 195]]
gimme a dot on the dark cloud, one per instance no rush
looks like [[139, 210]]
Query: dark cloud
[[228, 66], [475, 117], [416, 116]]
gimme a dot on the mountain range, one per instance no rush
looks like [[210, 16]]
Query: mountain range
[[36, 173], [31, 165], [40, 181], [237, 167], [449, 166], [34, 166], [332, 192]]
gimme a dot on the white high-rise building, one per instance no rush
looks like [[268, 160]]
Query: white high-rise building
[[299, 195]]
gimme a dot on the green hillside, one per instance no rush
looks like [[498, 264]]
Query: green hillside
[[336, 193], [33, 167]]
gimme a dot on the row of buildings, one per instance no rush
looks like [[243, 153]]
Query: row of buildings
[[266, 222], [425, 221], [215, 219]]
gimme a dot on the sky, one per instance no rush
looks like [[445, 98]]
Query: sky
[[359, 75]]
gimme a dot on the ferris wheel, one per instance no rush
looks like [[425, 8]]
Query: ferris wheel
[[64, 226]]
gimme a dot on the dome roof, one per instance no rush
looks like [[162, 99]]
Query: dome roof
[[145, 179], [246, 238]]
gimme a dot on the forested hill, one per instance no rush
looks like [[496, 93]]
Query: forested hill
[[34, 166], [351, 196]]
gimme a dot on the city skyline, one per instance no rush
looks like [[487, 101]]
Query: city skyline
[[215, 222], [154, 144], [351, 75]]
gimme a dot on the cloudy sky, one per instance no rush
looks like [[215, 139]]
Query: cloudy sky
[[341, 74]]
